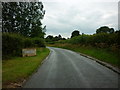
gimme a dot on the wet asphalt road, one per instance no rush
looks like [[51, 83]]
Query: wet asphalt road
[[67, 69]]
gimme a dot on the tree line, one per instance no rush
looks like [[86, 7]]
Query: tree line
[[52, 39], [104, 37]]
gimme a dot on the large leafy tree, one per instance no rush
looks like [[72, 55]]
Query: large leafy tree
[[24, 18], [75, 33], [105, 29]]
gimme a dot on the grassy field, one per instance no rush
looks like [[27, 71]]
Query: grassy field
[[17, 69], [98, 53]]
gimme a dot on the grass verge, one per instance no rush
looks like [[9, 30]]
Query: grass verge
[[98, 53], [18, 69]]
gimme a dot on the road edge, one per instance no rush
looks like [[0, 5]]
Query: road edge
[[113, 68], [46, 57], [25, 80]]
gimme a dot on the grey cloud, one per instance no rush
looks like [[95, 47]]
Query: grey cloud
[[64, 17]]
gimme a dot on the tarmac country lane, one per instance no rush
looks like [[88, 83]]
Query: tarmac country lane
[[67, 69]]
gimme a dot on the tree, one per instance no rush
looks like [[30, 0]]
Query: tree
[[24, 18], [59, 36], [49, 37], [75, 33], [56, 38], [105, 29], [9, 11], [111, 30], [117, 31]]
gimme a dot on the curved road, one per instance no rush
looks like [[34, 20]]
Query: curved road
[[67, 69]]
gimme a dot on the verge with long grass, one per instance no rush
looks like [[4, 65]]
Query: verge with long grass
[[18, 69], [102, 54]]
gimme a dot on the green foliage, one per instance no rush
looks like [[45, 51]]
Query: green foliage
[[75, 33], [118, 37], [51, 40], [101, 40], [12, 44], [28, 43], [105, 29], [38, 42], [24, 18]]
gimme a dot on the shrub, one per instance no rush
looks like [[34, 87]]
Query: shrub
[[102, 40], [28, 43], [11, 44], [38, 42]]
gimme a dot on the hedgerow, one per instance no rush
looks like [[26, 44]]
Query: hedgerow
[[101, 40], [12, 44]]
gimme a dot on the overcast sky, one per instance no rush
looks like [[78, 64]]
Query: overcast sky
[[64, 16]]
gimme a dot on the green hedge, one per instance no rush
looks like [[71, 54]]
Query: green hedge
[[102, 40], [38, 42], [28, 43], [12, 44]]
